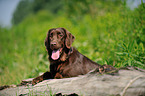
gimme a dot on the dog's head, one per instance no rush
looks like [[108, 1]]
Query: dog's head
[[58, 43]]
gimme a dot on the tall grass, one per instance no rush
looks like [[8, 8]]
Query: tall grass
[[112, 38]]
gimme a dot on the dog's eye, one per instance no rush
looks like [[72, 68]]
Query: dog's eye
[[51, 34], [59, 34]]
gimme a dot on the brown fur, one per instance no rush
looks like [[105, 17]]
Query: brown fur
[[71, 63]]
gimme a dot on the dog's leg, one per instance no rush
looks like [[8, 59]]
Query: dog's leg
[[46, 75]]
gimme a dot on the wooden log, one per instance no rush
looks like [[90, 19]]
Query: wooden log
[[127, 82]]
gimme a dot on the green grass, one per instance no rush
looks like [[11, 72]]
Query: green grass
[[112, 38]]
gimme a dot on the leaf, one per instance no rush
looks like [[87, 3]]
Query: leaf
[[119, 53], [124, 63], [130, 46], [141, 47], [138, 62], [134, 55], [129, 62], [126, 48], [120, 46], [125, 53]]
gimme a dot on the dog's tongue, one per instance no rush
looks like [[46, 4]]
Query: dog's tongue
[[55, 54]]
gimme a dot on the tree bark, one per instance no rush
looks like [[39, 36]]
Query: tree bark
[[127, 82]]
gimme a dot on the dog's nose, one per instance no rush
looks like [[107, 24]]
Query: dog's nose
[[53, 44]]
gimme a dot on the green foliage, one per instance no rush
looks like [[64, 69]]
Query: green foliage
[[114, 36], [77, 8], [131, 54], [23, 9], [27, 7]]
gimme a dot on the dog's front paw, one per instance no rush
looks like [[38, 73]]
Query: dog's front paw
[[37, 80]]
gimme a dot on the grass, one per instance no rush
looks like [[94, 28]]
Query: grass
[[114, 38]]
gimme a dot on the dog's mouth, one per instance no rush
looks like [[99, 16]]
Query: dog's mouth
[[56, 54]]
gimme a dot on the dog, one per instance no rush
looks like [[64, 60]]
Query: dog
[[66, 61]]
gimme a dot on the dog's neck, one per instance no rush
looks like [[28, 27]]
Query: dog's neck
[[65, 55]]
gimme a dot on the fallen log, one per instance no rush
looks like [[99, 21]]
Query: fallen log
[[126, 82]]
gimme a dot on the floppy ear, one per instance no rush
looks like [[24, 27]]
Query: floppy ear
[[47, 42], [69, 38]]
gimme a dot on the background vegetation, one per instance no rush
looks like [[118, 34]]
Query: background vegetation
[[106, 31]]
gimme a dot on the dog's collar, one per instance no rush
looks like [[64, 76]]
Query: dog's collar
[[65, 56], [70, 51]]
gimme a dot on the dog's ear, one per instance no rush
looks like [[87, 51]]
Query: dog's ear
[[69, 38], [47, 41]]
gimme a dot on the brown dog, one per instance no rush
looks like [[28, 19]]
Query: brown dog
[[66, 61]]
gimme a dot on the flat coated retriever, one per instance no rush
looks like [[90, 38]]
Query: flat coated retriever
[[66, 61]]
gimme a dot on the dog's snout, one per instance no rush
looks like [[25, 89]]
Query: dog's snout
[[53, 44]]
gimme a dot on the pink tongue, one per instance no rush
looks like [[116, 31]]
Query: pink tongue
[[55, 55]]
